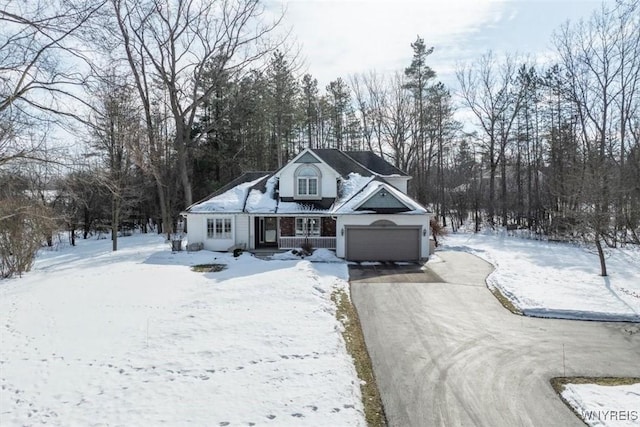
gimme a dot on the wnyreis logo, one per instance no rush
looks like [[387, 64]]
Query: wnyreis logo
[[611, 415]]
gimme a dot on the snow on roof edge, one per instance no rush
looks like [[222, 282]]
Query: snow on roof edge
[[231, 201], [368, 190]]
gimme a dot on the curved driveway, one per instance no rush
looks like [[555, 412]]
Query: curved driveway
[[446, 353]]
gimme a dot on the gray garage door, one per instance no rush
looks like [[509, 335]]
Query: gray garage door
[[383, 243]]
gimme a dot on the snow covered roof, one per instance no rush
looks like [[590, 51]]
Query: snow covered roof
[[249, 197], [362, 172], [262, 202], [295, 207], [363, 189], [232, 200]]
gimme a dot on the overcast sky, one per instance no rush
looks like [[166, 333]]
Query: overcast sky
[[342, 37]]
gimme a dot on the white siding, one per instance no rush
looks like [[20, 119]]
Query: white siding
[[398, 219], [252, 232], [242, 230], [197, 232], [400, 182], [328, 185]]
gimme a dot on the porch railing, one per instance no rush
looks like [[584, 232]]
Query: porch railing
[[316, 242]]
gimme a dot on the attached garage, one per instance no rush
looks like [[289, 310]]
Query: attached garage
[[381, 223], [382, 243]]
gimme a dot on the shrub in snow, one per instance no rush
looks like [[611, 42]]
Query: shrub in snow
[[24, 225], [195, 247], [306, 249], [437, 230]]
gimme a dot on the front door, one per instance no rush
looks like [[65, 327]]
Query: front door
[[267, 228]]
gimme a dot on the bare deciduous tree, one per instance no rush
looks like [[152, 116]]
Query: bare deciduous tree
[[115, 130], [176, 44], [39, 77], [601, 75], [487, 89]]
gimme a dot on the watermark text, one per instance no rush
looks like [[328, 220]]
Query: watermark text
[[611, 415]]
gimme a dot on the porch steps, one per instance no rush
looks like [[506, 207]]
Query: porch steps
[[266, 253]]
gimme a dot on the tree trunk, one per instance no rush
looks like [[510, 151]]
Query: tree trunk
[[165, 225], [603, 263], [503, 183], [86, 226], [181, 140], [115, 219], [492, 192]]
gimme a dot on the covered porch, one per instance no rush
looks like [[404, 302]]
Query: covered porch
[[294, 242], [292, 232]]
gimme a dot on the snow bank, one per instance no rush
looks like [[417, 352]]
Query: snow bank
[[136, 338], [319, 255], [601, 405], [546, 279]]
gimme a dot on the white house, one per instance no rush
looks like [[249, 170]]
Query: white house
[[352, 201]]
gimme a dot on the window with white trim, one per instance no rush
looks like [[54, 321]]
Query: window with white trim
[[308, 226], [219, 228], [307, 181]]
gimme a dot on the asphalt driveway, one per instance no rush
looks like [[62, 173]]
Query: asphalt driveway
[[387, 272], [446, 353]]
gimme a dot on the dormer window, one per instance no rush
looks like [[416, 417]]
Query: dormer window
[[308, 182]]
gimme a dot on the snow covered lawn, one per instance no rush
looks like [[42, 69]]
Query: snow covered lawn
[[605, 405], [92, 337], [548, 279]]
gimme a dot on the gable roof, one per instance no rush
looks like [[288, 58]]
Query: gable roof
[[245, 177], [382, 200], [340, 162], [365, 163], [363, 176], [232, 196], [306, 158], [351, 204], [375, 163]]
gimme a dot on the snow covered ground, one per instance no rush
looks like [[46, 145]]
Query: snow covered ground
[[602, 405], [96, 338], [548, 279]]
